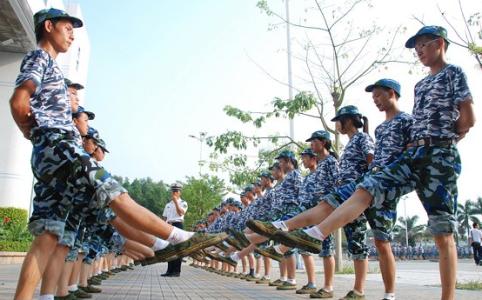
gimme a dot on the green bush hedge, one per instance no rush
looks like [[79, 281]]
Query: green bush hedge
[[15, 246], [15, 215]]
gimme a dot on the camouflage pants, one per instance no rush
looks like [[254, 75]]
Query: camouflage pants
[[63, 170], [432, 172]]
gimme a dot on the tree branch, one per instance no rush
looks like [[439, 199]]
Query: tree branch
[[271, 76]]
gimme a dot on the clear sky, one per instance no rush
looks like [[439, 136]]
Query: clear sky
[[162, 70]]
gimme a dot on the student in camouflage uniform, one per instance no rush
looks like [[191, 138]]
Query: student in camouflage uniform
[[318, 183], [41, 108]]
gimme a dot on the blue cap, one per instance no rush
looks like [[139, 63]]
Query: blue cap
[[237, 204], [101, 144], [286, 154], [266, 174], [385, 82], [319, 135], [80, 110], [54, 13], [92, 133], [274, 166], [349, 110], [308, 151], [74, 85], [229, 200], [249, 188], [438, 31]]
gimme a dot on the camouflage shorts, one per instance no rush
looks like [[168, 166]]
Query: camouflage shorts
[[356, 237], [72, 255], [117, 242], [68, 238], [381, 217], [63, 170], [432, 172], [327, 247]]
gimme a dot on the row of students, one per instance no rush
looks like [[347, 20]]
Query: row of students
[[417, 152]]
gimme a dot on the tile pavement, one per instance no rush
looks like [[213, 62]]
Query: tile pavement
[[145, 283]]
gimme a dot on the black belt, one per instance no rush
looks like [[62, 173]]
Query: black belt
[[171, 222], [430, 142]]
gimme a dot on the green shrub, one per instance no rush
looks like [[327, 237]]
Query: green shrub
[[14, 235], [15, 246], [15, 215]]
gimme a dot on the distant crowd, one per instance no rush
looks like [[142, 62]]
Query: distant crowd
[[420, 252]]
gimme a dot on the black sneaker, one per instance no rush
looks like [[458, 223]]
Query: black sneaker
[[90, 289], [306, 289], [80, 294], [171, 274]]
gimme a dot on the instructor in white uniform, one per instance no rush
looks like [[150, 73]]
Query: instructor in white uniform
[[174, 214]]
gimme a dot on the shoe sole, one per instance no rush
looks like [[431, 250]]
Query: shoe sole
[[241, 239], [305, 292], [198, 246], [234, 244], [260, 229], [267, 254], [295, 242], [286, 289]]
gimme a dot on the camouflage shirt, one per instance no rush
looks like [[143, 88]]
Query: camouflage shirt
[[50, 104], [263, 204], [436, 103], [353, 162], [320, 182], [391, 138], [326, 176], [288, 191]]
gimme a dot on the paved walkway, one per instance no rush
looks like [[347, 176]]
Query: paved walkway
[[416, 280]]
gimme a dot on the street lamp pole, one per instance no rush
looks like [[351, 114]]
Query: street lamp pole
[[290, 76], [201, 138], [406, 221]]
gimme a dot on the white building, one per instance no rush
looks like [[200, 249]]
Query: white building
[[17, 37]]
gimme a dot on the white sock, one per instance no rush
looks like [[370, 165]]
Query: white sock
[[283, 278], [46, 297], [72, 288], [315, 233], [328, 288], [292, 281], [267, 276], [280, 225], [159, 244], [235, 257], [389, 296], [278, 249], [178, 236]]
